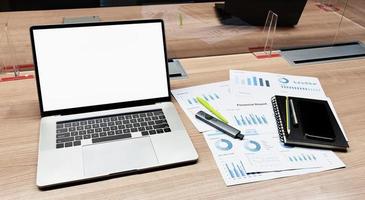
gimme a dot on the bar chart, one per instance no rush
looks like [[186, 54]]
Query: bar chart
[[236, 170], [250, 119], [302, 158], [253, 81], [207, 97], [300, 88]]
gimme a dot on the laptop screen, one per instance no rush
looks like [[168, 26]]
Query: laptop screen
[[82, 66]]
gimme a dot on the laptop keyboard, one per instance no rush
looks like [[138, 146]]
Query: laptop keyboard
[[111, 127]]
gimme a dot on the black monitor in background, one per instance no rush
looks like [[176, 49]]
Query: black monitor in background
[[254, 12]]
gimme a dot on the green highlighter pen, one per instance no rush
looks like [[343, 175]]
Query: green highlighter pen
[[211, 109]]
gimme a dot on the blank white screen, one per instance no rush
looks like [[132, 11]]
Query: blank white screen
[[86, 66]]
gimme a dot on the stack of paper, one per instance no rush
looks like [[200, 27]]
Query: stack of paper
[[245, 100]]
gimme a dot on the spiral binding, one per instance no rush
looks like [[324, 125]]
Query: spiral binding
[[278, 119]]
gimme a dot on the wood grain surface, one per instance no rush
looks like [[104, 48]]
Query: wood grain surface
[[342, 81]]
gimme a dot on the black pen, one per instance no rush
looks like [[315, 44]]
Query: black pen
[[219, 125]]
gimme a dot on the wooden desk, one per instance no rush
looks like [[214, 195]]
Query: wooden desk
[[342, 81], [201, 33]]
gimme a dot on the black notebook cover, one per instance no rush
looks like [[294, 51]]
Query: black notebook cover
[[308, 122]]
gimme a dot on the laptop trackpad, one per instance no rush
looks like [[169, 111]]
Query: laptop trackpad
[[118, 156]]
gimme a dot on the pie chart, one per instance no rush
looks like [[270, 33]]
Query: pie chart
[[223, 144], [252, 146]]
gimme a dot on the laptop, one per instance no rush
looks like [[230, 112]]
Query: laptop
[[105, 104], [255, 12]]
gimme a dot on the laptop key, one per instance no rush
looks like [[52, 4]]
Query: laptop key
[[79, 137], [111, 133], [144, 133], [82, 132], [80, 128], [63, 130], [60, 145], [158, 126], [103, 125], [119, 132], [128, 125], [136, 125], [113, 128], [159, 131], [87, 137], [134, 129], [109, 138], [149, 127], [59, 126], [77, 143], [126, 131], [95, 135], [75, 123], [69, 139], [141, 129], [158, 112], [160, 121], [152, 132], [167, 130], [61, 135], [73, 133], [103, 134], [67, 125], [68, 144], [90, 131], [121, 127]]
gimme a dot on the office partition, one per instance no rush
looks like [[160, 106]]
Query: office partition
[[198, 29]]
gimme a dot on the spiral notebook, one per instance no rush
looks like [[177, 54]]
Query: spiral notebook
[[308, 122]]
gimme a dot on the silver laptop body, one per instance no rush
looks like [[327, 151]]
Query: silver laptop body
[[105, 103]]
